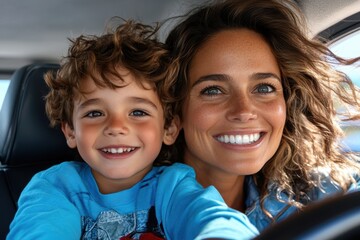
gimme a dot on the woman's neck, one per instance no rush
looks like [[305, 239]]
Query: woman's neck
[[230, 186], [232, 192]]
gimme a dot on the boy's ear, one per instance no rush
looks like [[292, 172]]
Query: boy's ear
[[172, 131], [69, 135]]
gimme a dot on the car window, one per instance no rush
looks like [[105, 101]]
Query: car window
[[347, 47], [4, 84]]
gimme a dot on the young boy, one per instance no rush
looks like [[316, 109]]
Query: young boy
[[111, 101]]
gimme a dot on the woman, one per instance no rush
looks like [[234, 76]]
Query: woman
[[258, 118]]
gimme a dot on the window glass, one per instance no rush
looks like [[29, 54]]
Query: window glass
[[4, 84], [347, 47]]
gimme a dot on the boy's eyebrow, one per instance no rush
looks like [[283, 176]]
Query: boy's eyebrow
[[87, 102], [224, 77], [91, 101], [144, 101]]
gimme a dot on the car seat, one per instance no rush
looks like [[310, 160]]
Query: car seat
[[27, 142]]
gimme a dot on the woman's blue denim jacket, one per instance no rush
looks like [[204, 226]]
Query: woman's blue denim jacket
[[280, 209]]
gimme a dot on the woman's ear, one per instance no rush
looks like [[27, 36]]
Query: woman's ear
[[172, 131], [69, 135]]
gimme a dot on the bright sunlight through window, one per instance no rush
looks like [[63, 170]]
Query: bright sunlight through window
[[4, 84], [348, 47]]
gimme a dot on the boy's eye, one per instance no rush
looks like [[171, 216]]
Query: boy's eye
[[138, 113], [265, 88], [93, 114], [211, 90]]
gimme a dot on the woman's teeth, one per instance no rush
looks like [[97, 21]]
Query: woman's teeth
[[239, 139]]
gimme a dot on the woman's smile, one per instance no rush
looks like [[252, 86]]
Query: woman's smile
[[238, 139]]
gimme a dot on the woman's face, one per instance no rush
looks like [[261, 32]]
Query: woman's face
[[234, 114]]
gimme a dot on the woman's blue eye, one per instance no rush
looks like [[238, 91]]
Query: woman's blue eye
[[212, 90], [265, 88]]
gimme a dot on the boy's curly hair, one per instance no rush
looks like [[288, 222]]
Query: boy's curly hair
[[131, 45]]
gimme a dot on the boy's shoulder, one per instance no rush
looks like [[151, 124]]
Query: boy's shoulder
[[175, 175], [179, 166], [68, 166], [169, 175], [71, 169], [66, 177], [176, 170]]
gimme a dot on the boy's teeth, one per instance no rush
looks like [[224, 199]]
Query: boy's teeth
[[117, 150], [239, 139]]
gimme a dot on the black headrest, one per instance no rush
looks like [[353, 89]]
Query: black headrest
[[25, 134]]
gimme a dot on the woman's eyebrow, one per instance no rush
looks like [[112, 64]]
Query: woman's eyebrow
[[264, 75], [223, 77], [211, 77]]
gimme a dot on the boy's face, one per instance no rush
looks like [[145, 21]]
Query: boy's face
[[118, 132]]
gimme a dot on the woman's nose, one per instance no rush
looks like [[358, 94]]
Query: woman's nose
[[241, 108], [116, 126]]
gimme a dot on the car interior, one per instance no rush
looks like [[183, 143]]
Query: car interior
[[28, 144]]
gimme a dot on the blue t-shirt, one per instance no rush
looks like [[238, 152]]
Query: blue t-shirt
[[64, 202]]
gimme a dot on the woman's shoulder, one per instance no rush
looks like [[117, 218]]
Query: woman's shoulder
[[328, 187]]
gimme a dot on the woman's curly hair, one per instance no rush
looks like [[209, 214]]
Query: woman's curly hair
[[131, 45], [309, 145]]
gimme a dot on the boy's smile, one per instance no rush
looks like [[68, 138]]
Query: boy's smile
[[117, 152]]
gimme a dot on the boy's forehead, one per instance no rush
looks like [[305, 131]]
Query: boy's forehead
[[121, 79], [116, 77]]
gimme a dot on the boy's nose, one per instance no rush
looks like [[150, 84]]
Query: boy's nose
[[117, 127]]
